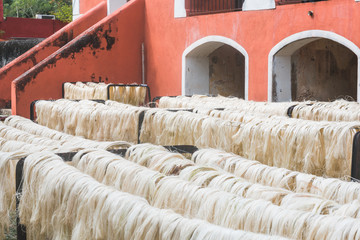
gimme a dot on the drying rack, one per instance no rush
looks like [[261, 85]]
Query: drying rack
[[291, 109], [67, 157], [110, 86]]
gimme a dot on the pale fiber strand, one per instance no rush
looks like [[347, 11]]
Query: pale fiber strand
[[7, 187], [339, 110], [82, 208], [110, 122], [130, 95], [154, 156], [170, 192], [130, 177], [22, 129], [204, 102], [15, 144], [321, 148], [253, 171]]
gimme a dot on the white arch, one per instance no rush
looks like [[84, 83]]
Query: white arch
[[202, 48], [307, 37]]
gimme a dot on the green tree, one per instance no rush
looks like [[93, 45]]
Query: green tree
[[62, 9]]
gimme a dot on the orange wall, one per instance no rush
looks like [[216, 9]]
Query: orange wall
[[109, 51], [258, 32], [86, 5], [23, 63]]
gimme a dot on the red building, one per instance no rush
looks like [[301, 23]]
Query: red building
[[26, 27], [255, 49]]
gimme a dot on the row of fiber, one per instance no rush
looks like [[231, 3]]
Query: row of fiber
[[20, 137], [196, 201], [59, 202], [134, 95], [339, 110], [316, 147], [82, 208]]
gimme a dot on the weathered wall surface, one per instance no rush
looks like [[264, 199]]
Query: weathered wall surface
[[323, 70], [226, 73], [109, 51], [257, 32], [29, 27], [32, 57]]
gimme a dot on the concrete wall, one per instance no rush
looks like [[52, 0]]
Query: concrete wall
[[109, 51], [227, 72], [323, 70], [28, 60], [166, 37]]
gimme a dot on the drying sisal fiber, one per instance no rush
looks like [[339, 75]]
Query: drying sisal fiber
[[130, 177], [205, 176], [133, 95], [212, 205], [186, 128], [205, 102], [110, 122], [16, 143], [19, 128], [82, 208], [253, 171], [320, 148], [7, 187], [339, 110], [157, 158]]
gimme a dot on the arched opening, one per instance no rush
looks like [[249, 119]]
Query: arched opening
[[215, 65], [319, 67]]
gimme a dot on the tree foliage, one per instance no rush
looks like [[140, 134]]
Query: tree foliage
[[62, 9]]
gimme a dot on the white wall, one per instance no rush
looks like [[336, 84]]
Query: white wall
[[250, 5], [113, 5], [197, 69], [282, 69], [179, 9], [76, 9]]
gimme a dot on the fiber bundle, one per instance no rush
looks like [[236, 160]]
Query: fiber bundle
[[134, 95], [90, 119], [210, 204], [206, 176], [339, 110], [256, 172], [82, 208], [205, 102]]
